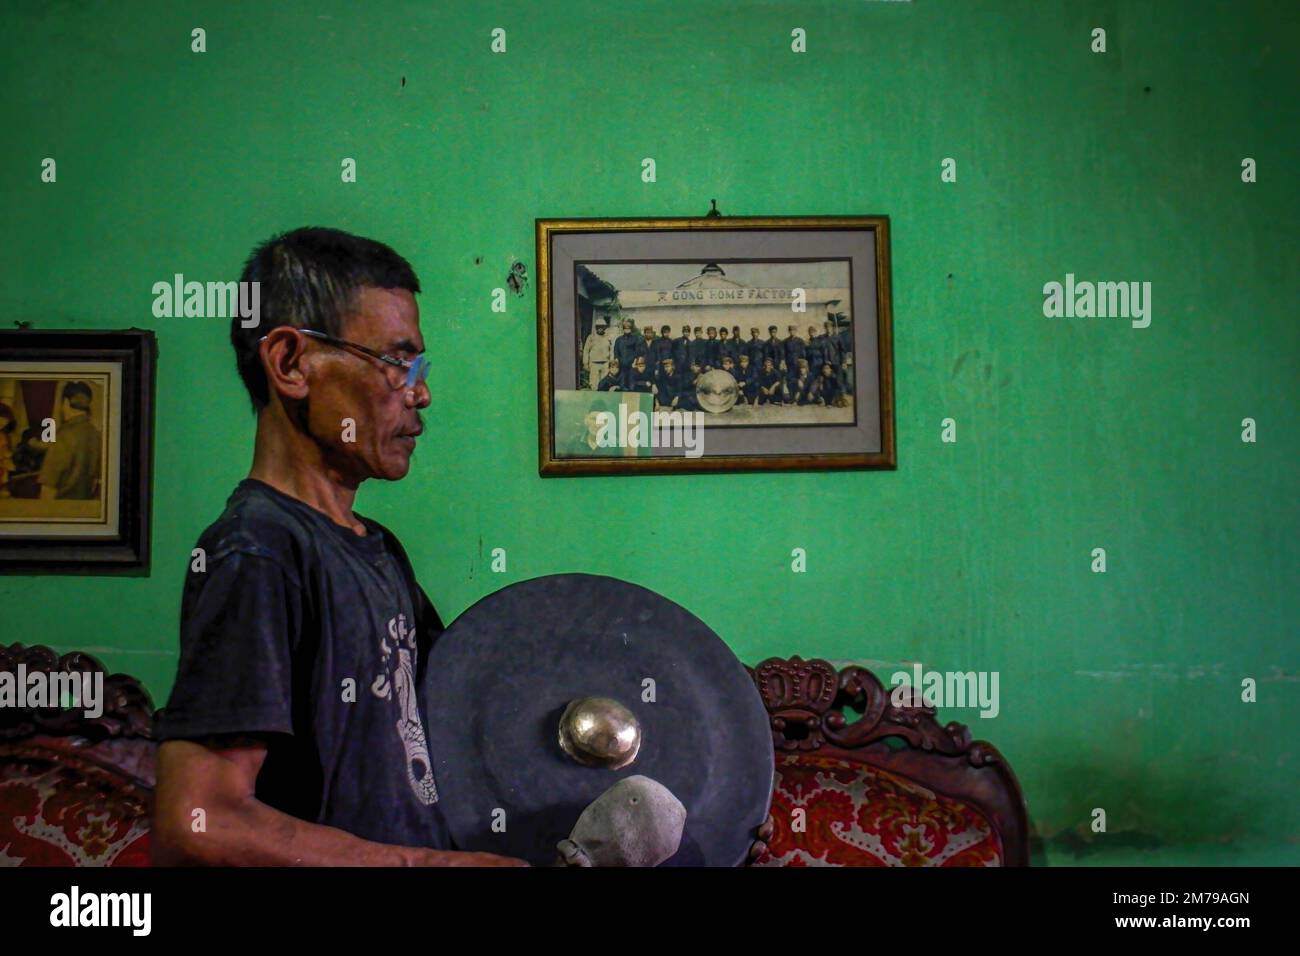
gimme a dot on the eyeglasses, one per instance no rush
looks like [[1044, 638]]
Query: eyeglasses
[[416, 370]]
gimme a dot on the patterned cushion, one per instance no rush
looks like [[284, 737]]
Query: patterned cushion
[[855, 815], [61, 807]]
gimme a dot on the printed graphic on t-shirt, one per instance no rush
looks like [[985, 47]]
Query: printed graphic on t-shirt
[[399, 674]]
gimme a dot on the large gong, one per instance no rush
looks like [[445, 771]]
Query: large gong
[[500, 678]]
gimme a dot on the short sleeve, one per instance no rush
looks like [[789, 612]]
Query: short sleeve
[[240, 620]]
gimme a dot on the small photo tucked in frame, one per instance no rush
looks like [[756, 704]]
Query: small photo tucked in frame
[[757, 344], [76, 421], [55, 436]]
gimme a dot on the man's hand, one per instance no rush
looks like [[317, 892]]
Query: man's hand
[[763, 833]]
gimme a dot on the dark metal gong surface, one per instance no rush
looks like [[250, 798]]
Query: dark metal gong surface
[[500, 676]]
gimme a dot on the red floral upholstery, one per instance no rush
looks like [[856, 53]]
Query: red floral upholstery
[[857, 815], [61, 806], [79, 792]]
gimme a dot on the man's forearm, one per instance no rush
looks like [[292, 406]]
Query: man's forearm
[[250, 833]]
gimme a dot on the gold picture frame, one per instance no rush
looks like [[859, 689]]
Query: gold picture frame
[[76, 450], [742, 270]]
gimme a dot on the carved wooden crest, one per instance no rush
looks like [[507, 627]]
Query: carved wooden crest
[[127, 706]]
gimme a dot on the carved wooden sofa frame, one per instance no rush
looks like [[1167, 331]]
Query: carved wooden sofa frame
[[812, 705]]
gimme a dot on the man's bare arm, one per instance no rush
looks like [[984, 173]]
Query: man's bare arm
[[219, 776]]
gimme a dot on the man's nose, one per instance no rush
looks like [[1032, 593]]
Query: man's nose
[[419, 397]]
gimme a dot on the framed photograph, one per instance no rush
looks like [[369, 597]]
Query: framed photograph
[[714, 344], [76, 450]]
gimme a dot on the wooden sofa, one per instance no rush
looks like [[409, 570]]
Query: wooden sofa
[[880, 785], [860, 782]]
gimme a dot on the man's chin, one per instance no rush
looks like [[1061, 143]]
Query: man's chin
[[394, 468]]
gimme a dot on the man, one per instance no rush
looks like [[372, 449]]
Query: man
[[8, 451], [816, 353], [831, 348], [30, 452], [712, 357], [662, 349], [747, 379], [827, 389], [772, 349], [727, 348], [682, 349], [612, 380], [755, 349], [71, 467], [687, 396], [648, 348], [638, 378], [699, 354], [801, 386], [846, 352], [626, 348], [795, 349], [771, 387], [667, 387], [596, 353], [294, 723]]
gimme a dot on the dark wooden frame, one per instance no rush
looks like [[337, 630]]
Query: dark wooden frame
[[808, 700], [550, 466], [128, 551]]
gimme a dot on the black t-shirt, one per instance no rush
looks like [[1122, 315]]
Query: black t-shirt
[[315, 638]]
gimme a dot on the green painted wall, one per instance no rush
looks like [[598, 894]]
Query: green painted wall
[[1119, 691]]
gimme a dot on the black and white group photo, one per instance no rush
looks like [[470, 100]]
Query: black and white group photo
[[751, 343]]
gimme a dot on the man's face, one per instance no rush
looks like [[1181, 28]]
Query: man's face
[[723, 333], [649, 334], [347, 384], [668, 366], [600, 330], [68, 411], [627, 325], [639, 364]]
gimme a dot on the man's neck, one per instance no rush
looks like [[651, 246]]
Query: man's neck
[[293, 464]]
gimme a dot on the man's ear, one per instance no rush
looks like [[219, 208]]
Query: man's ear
[[283, 352]]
